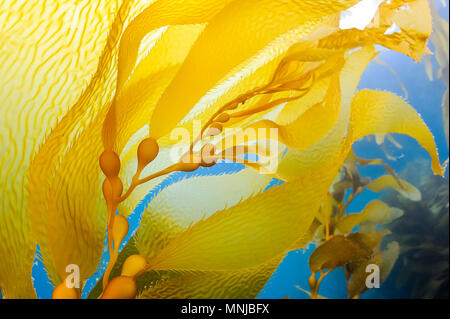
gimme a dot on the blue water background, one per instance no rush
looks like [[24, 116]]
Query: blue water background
[[423, 95]]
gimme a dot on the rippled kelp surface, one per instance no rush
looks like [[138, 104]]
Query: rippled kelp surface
[[299, 74]]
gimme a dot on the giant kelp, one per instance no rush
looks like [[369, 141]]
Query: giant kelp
[[112, 89], [423, 235], [439, 39], [339, 245]]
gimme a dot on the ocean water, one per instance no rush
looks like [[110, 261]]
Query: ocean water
[[424, 95]]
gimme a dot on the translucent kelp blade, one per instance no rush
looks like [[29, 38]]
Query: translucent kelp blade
[[210, 59], [357, 273], [171, 284], [49, 54], [72, 231], [373, 112], [388, 258], [159, 14], [154, 71], [314, 123], [257, 72], [149, 80], [336, 252], [237, 284], [327, 151], [291, 129], [403, 187], [378, 112], [375, 211], [411, 40], [184, 203], [241, 283], [249, 233]]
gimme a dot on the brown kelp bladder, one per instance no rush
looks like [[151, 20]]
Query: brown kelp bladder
[[97, 128]]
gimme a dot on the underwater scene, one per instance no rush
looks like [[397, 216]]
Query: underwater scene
[[224, 149]]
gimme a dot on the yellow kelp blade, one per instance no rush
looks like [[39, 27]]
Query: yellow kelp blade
[[311, 125], [379, 112], [337, 252], [316, 119], [372, 112], [149, 80], [260, 72], [257, 72], [403, 13], [401, 186], [248, 234], [241, 283], [48, 54], [77, 170], [376, 211], [185, 203], [357, 273], [229, 284], [159, 14], [296, 163], [211, 59]]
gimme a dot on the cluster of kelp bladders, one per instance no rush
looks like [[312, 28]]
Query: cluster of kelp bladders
[[241, 64]]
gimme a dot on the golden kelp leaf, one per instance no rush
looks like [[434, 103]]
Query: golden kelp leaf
[[165, 217], [256, 72], [371, 112], [229, 284], [210, 60], [247, 234], [164, 61], [377, 112], [326, 209], [73, 231], [311, 116], [403, 187], [337, 252], [311, 125], [160, 14], [328, 150], [49, 53], [410, 41], [358, 272], [87, 185], [241, 283], [155, 70], [371, 240], [376, 211]]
